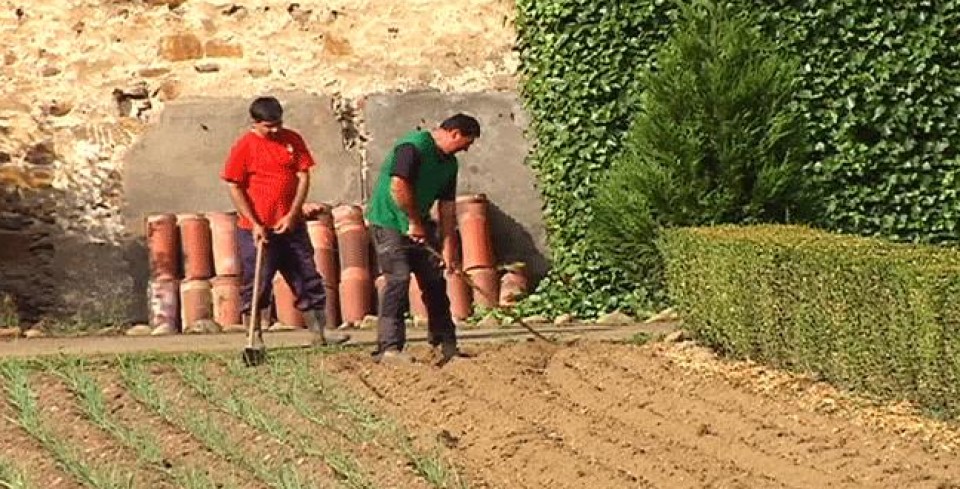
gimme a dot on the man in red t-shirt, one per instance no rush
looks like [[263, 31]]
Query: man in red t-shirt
[[268, 172]]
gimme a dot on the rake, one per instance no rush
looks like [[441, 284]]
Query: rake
[[493, 300]]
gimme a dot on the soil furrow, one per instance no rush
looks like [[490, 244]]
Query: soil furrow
[[508, 452], [66, 422], [525, 401], [589, 415], [604, 415], [801, 436], [27, 454], [368, 419], [181, 451], [259, 453], [378, 463], [652, 452], [697, 437]]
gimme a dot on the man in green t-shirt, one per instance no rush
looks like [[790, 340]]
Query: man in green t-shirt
[[420, 170]]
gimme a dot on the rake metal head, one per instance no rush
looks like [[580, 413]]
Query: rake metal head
[[253, 356]]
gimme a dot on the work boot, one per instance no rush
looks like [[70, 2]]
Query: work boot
[[316, 322], [448, 350]]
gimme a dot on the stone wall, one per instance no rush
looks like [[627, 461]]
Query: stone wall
[[83, 80]]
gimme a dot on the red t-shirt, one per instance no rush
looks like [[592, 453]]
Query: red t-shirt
[[266, 168]]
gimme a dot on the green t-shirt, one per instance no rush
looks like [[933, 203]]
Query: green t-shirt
[[435, 175]]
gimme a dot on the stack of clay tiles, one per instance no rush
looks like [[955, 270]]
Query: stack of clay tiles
[[479, 261], [346, 259], [194, 287], [195, 270]]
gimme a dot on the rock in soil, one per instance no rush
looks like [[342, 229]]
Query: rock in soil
[[676, 337], [563, 319], [536, 319], [139, 330], [489, 321], [163, 330], [668, 314], [572, 340], [615, 317], [14, 332]]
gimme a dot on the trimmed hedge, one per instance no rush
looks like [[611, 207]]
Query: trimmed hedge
[[869, 315]]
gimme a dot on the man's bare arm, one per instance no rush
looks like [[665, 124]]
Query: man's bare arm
[[242, 203], [303, 187], [291, 219], [403, 195]]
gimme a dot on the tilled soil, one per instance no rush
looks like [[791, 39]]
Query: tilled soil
[[273, 453], [376, 464], [94, 446], [191, 422], [603, 415], [527, 415], [180, 450], [28, 455]]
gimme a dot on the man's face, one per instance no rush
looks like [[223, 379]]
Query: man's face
[[267, 128], [458, 142]]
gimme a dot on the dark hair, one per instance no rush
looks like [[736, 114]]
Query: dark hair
[[467, 125], [266, 109]]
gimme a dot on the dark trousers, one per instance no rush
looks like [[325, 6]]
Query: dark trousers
[[291, 254], [398, 257]]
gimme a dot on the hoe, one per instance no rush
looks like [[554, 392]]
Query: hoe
[[255, 352]]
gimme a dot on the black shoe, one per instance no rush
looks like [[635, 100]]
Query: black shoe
[[446, 352]]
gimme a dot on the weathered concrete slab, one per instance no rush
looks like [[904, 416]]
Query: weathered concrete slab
[[493, 166], [175, 166], [56, 275], [25, 272], [97, 283]]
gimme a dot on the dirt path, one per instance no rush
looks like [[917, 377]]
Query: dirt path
[[662, 415], [114, 345]]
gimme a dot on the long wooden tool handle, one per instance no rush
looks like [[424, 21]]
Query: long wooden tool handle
[[254, 303]]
